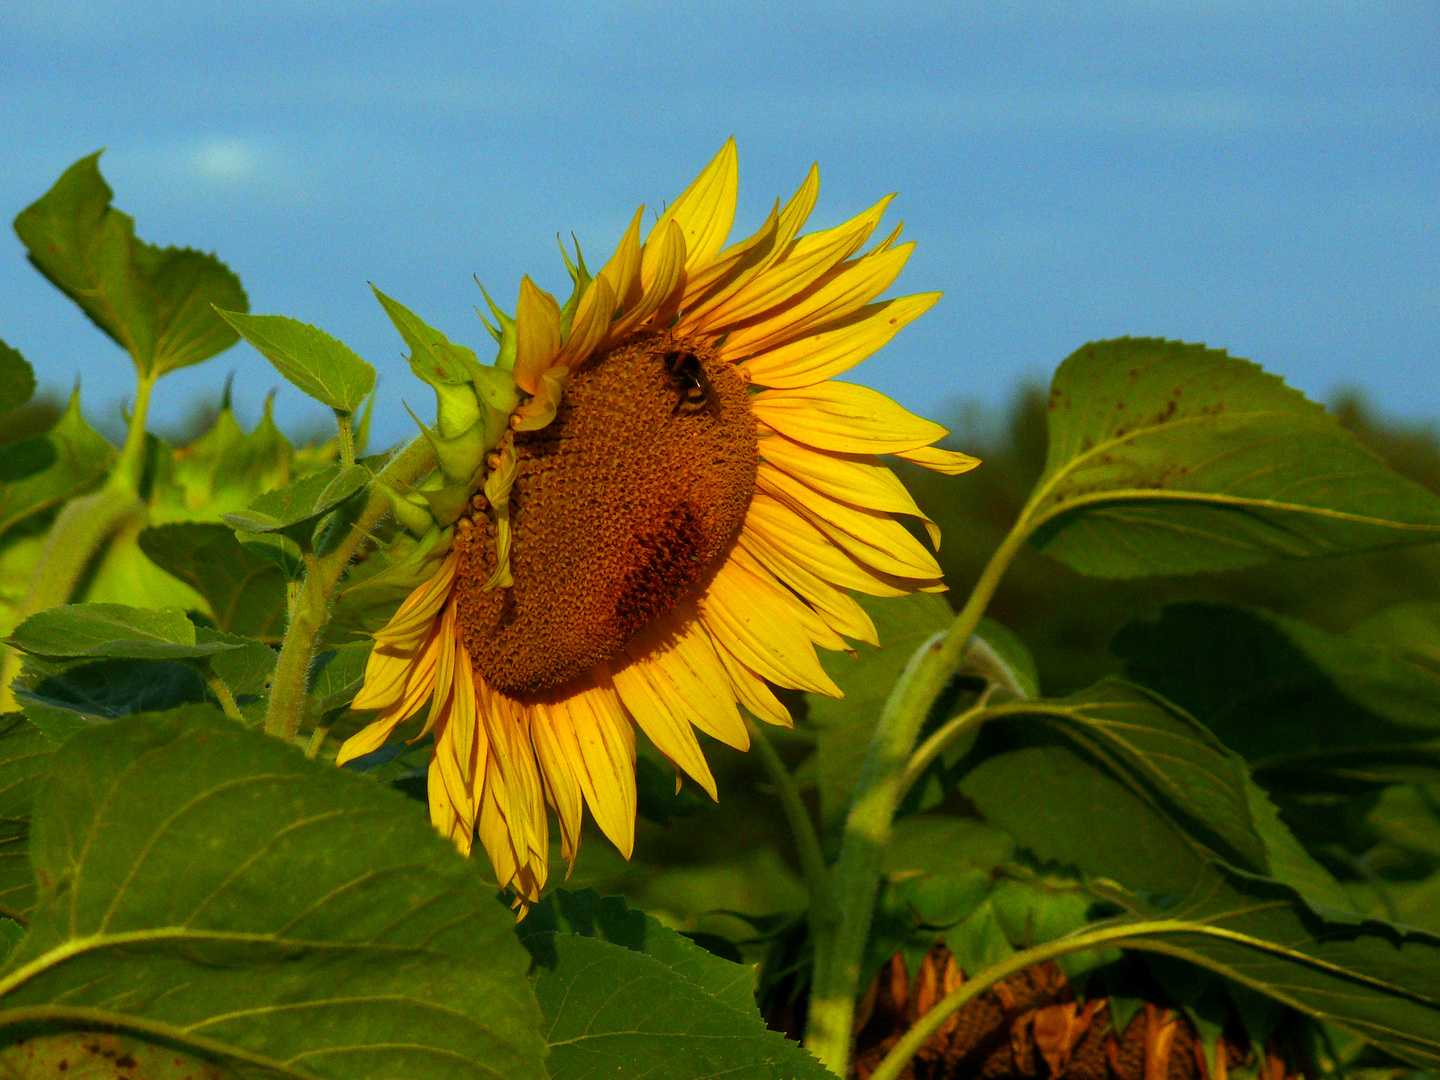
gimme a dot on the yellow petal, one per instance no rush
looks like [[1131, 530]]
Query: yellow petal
[[444, 682], [949, 462], [623, 269], [763, 256], [368, 739], [845, 418], [751, 690], [411, 622], [786, 530], [845, 289], [768, 590], [733, 260], [839, 610], [507, 725], [662, 269], [857, 479], [837, 346], [598, 740], [592, 321], [877, 540], [766, 638], [537, 334], [448, 822], [561, 786], [385, 679], [453, 788], [677, 646], [662, 713], [808, 259], [706, 209], [495, 835]]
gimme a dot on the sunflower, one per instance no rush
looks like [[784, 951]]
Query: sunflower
[[676, 516]]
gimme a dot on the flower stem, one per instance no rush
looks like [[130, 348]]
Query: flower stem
[[222, 694], [878, 794], [347, 438], [311, 609], [823, 916], [910, 1043]]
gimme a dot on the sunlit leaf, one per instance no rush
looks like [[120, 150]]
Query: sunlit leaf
[[294, 509], [81, 459], [113, 631], [326, 369], [154, 302], [337, 674], [207, 888], [1168, 458]]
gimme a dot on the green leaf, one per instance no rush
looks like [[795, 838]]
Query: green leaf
[[156, 303], [114, 631], [25, 761], [844, 726], [81, 459], [1379, 981], [294, 510], [1176, 778], [65, 698], [337, 674], [625, 998], [246, 671], [1168, 458], [245, 591], [326, 369], [433, 357], [1291, 697], [17, 379], [586, 912], [997, 654], [97, 1053], [207, 888]]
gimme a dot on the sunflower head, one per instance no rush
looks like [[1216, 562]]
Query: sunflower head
[[649, 509]]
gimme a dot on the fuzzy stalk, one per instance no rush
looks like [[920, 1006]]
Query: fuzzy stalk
[[867, 827], [311, 610]]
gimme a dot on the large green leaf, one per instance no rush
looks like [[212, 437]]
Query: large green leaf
[[79, 459], [25, 758], [113, 631], [154, 302], [326, 369], [623, 997], [245, 591], [1291, 697], [844, 726], [1135, 789], [1168, 458], [17, 379], [208, 888], [1379, 981]]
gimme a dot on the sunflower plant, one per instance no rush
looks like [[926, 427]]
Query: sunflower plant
[[645, 609]]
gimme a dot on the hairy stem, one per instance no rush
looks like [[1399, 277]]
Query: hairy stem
[[347, 438], [311, 609], [222, 694], [877, 796], [823, 916]]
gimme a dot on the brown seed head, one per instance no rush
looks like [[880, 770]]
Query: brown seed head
[[621, 506]]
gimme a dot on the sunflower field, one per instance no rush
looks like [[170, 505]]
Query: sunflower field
[[632, 720]]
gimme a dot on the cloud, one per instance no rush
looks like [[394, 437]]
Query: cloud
[[229, 160]]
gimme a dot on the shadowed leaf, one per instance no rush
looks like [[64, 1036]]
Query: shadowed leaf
[[245, 591]]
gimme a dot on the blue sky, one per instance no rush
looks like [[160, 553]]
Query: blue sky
[[1260, 176]]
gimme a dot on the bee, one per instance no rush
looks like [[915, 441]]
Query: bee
[[688, 378]]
